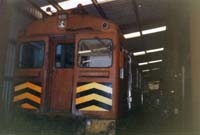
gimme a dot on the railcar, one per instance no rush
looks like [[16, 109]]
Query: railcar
[[73, 62]]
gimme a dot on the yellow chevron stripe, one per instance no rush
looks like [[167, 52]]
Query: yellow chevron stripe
[[28, 106], [94, 97], [93, 108], [28, 85], [29, 96], [94, 85]]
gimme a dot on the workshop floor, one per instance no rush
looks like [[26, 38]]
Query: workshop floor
[[135, 123]]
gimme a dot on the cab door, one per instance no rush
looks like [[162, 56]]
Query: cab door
[[61, 64], [96, 75]]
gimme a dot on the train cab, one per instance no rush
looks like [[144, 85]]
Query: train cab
[[71, 62]]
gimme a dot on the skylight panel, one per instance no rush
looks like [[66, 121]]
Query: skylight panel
[[44, 8], [70, 4], [73, 3]]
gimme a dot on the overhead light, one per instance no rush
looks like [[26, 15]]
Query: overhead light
[[146, 70], [155, 61], [132, 35], [155, 50], [155, 69], [154, 30], [150, 62], [139, 53], [145, 32], [148, 51], [172, 91], [143, 63]]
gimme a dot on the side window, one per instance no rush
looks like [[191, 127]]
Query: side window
[[31, 54], [64, 56], [95, 53]]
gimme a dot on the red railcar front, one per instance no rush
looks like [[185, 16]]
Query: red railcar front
[[74, 67]]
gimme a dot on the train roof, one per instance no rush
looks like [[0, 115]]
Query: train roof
[[69, 22]]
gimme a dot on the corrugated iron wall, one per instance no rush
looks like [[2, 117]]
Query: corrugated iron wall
[[4, 26], [16, 22]]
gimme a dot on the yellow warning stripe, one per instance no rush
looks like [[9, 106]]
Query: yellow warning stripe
[[93, 108], [29, 96], [94, 85], [28, 85], [28, 106], [94, 97]]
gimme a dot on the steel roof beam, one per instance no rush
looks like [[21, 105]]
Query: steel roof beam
[[151, 22], [138, 22], [153, 76], [99, 9], [55, 4]]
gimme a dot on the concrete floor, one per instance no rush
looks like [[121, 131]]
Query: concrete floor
[[149, 124], [134, 123]]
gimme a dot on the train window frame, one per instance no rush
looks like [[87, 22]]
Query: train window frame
[[65, 44], [112, 48], [19, 53]]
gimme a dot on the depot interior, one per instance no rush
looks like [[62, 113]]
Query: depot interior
[[162, 36]]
